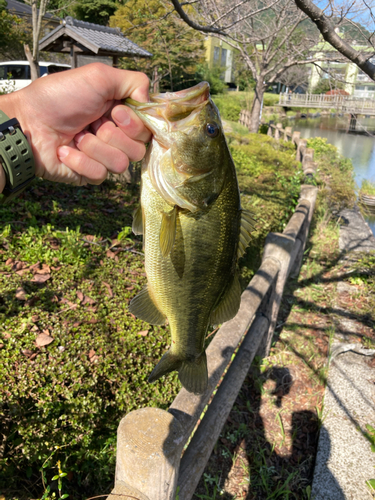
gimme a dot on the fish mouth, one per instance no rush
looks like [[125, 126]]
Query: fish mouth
[[166, 112]]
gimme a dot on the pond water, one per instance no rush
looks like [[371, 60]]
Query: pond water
[[360, 148]]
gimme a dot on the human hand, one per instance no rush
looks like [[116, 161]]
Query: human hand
[[75, 122]]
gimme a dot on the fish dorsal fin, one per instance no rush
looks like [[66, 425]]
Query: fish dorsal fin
[[247, 225], [168, 232], [229, 304], [144, 308], [137, 225]]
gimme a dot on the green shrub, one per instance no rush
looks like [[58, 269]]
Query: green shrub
[[368, 187], [336, 174], [228, 107]]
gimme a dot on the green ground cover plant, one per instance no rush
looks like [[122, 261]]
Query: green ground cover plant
[[230, 104], [368, 187], [74, 361]]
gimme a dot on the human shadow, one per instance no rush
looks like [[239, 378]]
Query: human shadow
[[254, 467]]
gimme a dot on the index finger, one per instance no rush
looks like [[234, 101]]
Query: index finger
[[121, 83]]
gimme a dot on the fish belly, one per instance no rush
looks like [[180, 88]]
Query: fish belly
[[188, 283]]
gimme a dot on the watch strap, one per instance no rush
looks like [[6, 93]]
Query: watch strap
[[16, 158]]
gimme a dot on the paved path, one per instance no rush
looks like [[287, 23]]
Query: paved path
[[344, 460]]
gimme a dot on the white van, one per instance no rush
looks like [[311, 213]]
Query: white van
[[15, 75]]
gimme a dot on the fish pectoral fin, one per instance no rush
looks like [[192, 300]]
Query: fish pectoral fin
[[247, 226], [137, 225], [168, 363], [193, 374], [229, 304], [168, 232], [144, 308]]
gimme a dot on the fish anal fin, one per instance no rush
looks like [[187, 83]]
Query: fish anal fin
[[137, 225], [144, 308], [193, 374], [168, 363], [229, 304], [168, 231], [247, 225]]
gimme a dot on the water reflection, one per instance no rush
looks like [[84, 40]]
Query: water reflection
[[359, 148]]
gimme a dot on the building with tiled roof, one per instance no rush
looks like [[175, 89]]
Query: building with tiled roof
[[79, 38]]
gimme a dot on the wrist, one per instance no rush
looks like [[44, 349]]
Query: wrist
[[2, 179], [17, 166]]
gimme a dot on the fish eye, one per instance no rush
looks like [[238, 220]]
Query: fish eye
[[212, 130]]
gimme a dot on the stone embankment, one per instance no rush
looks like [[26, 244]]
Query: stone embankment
[[344, 460]]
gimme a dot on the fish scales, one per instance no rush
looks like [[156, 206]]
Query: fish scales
[[191, 220]]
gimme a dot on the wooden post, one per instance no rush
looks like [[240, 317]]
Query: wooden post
[[287, 133], [269, 131], [73, 57], [277, 131], [302, 145], [149, 447], [296, 137]]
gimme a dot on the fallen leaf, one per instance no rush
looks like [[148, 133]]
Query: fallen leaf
[[9, 262], [6, 335], [92, 356], [21, 272], [20, 294], [30, 302], [88, 300], [80, 295], [40, 278], [43, 339], [70, 304], [35, 266], [35, 318], [143, 333], [90, 237], [44, 270], [110, 254], [130, 287], [110, 293], [56, 268], [27, 352]]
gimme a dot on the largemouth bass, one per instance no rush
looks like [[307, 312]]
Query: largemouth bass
[[193, 228]]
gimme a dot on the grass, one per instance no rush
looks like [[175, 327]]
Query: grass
[[74, 360], [368, 187]]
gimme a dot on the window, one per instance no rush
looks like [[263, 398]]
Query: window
[[216, 55], [43, 70], [19, 72], [3, 73], [223, 57], [55, 69]]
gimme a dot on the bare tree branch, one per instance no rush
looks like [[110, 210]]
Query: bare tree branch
[[328, 32]]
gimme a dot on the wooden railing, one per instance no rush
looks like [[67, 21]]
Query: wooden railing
[[161, 452], [340, 103]]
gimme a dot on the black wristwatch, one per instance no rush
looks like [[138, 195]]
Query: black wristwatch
[[16, 158]]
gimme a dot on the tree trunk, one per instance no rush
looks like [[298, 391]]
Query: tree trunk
[[34, 65], [155, 82], [257, 106]]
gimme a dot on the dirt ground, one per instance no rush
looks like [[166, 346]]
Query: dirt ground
[[268, 445]]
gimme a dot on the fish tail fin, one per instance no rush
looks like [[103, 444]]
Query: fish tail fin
[[193, 374], [167, 363]]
